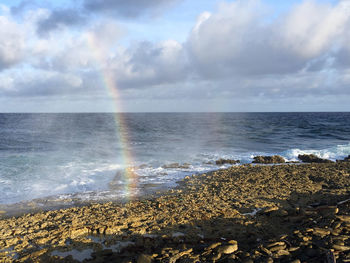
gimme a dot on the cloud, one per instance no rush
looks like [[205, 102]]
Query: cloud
[[18, 83], [12, 43], [127, 9], [238, 39], [234, 52], [23, 6], [148, 64], [60, 18]]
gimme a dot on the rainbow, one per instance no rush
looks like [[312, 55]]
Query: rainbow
[[129, 176]]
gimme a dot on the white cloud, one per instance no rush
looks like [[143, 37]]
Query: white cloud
[[234, 51], [312, 28], [12, 43]]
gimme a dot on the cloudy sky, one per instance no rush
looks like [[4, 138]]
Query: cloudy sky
[[174, 55]]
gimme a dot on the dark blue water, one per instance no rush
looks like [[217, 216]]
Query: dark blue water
[[63, 154]]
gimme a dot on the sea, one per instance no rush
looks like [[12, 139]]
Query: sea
[[71, 157]]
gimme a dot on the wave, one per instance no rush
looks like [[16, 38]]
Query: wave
[[91, 180], [338, 152]]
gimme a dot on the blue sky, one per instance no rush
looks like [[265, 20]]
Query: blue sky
[[174, 55]]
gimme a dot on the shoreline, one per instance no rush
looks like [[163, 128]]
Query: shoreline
[[248, 212]]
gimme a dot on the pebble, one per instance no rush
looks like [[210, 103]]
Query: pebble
[[229, 249]]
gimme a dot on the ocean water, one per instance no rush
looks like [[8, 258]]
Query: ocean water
[[58, 156]]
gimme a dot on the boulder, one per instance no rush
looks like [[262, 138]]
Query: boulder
[[269, 159], [224, 161], [311, 158]]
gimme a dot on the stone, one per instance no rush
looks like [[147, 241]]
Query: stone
[[321, 232], [176, 166], [226, 161], [311, 158], [228, 249], [212, 246], [341, 248], [269, 159], [78, 232], [344, 218], [277, 248], [217, 256]]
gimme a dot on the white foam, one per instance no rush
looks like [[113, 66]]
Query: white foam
[[338, 152]]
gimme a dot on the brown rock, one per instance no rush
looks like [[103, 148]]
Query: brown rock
[[341, 248], [228, 161], [268, 159], [228, 249], [311, 158], [321, 232]]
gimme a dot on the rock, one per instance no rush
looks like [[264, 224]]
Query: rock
[[341, 248], [79, 232], [281, 253], [344, 218], [268, 159], [176, 166], [311, 158], [212, 246], [177, 256], [216, 257], [277, 248], [143, 258], [292, 249], [228, 249], [278, 243], [224, 161], [321, 232], [267, 210]]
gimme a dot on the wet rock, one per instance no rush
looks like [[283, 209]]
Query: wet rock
[[311, 158], [226, 161], [268, 159], [176, 166]]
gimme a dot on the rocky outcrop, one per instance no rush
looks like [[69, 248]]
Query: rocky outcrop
[[226, 161], [268, 159], [311, 158]]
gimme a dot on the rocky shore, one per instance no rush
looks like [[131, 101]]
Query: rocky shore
[[246, 213]]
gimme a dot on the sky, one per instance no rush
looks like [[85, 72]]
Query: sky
[[174, 55]]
